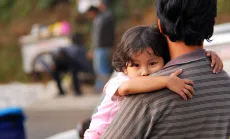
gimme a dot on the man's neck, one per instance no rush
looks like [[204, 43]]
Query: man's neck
[[179, 48]]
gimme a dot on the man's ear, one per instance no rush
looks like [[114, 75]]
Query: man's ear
[[159, 25]]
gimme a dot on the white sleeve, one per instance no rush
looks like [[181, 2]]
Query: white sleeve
[[112, 86]]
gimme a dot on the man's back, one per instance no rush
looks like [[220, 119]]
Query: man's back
[[165, 115], [207, 115]]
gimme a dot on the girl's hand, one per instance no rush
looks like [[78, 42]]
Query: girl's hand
[[216, 62], [183, 87]]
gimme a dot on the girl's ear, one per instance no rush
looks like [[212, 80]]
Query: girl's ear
[[125, 71], [159, 25]]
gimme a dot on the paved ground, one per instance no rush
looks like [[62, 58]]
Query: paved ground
[[49, 117]]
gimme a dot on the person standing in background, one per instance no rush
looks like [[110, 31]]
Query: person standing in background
[[103, 37]]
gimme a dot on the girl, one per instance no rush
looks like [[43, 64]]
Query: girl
[[142, 51]]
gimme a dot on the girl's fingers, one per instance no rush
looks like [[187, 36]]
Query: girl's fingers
[[189, 88], [208, 54], [187, 92], [176, 73], [189, 82], [183, 95], [221, 67], [216, 68], [213, 59]]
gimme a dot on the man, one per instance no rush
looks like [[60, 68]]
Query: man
[[71, 59], [162, 114], [103, 35]]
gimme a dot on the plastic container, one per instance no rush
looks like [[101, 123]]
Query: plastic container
[[11, 123]]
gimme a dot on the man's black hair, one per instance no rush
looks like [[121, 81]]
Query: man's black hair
[[93, 8], [189, 21]]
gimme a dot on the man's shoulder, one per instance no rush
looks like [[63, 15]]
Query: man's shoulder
[[197, 71]]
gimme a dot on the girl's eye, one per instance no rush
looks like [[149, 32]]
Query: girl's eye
[[136, 65], [153, 63]]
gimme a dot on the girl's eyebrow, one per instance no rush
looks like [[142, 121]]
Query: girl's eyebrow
[[135, 60], [153, 57]]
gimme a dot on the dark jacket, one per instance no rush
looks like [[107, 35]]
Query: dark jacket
[[103, 34]]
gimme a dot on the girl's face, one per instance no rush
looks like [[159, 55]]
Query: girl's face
[[144, 64]]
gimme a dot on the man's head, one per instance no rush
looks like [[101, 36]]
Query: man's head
[[92, 12], [188, 21]]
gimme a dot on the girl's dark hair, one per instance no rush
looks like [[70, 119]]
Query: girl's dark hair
[[189, 21], [137, 39]]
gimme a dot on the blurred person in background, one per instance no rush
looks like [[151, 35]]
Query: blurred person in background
[[103, 37], [71, 59]]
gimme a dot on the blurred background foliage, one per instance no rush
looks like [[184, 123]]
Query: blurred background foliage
[[9, 9], [17, 17], [223, 6]]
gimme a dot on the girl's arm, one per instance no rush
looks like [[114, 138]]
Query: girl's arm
[[216, 62], [145, 84]]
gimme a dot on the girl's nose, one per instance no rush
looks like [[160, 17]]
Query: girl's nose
[[144, 72]]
